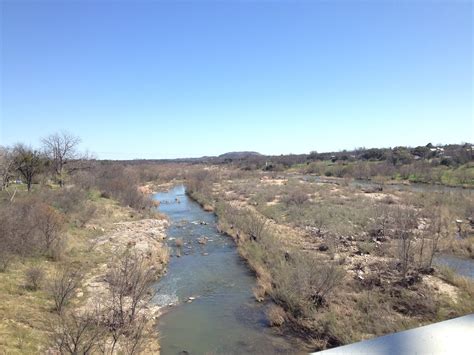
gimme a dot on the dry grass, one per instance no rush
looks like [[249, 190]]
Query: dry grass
[[275, 315], [25, 315], [374, 297]]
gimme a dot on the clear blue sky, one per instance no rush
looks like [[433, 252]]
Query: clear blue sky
[[165, 79]]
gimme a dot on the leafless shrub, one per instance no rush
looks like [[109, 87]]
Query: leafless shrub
[[405, 221], [305, 284], [85, 214], [62, 286], [19, 232], [382, 218], [69, 200], [78, 333], [84, 179], [438, 230], [58, 249], [50, 225], [196, 179], [388, 200], [31, 227], [33, 278], [136, 336], [121, 183], [130, 282], [295, 197], [254, 225], [6, 259]]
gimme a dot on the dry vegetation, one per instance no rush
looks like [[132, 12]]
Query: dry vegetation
[[80, 249], [337, 262], [344, 263]]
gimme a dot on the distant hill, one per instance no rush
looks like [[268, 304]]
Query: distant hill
[[239, 155]]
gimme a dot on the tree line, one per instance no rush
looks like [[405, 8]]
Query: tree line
[[57, 154]]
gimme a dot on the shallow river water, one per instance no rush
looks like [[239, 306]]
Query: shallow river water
[[224, 318], [462, 266]]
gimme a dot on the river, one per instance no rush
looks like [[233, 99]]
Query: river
[[223, 317], [461, 266]]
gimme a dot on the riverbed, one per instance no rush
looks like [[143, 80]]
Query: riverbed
[[411, 187], [207, 292]]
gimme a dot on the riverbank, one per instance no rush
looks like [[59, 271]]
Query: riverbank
[[144, 239], [282, 225], [28, 321]]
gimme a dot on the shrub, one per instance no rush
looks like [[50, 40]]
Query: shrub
[[50, 225], [121, 183], [33, 278], [31, 227], [295, 197], [259, 292], [275, 315], [68, 200], [130, 284], [84, 179], [62, 286], [5, 260], [19, 231], [366, 247], [78, 333], [252, 224], [305, 284]]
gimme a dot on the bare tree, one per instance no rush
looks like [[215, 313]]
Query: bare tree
[[78, 333], [62, 286], [28, 162], [61, 148]]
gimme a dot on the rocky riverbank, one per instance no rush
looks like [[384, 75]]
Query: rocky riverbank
[[143, 239]]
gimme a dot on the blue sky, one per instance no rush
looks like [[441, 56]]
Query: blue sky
[[165, 79]]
